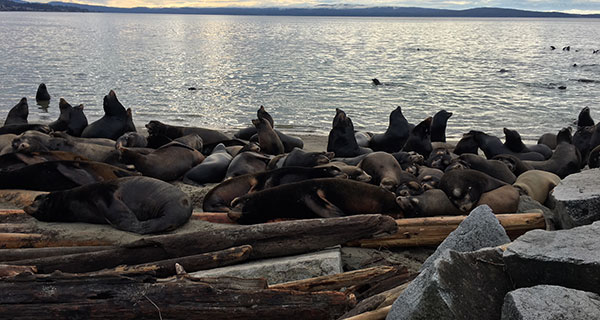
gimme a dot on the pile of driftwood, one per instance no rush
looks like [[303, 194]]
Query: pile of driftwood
[[45, 275]]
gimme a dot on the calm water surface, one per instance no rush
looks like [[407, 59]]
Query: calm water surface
[[302, 68]]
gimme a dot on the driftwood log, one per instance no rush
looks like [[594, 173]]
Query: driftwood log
[[267, 240], [62, 296], [432, 231], [35, 253], [335, 281], [377, 301]]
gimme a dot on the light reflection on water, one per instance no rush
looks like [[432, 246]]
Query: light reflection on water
[[302, 68]]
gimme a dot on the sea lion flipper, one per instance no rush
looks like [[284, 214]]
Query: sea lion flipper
[[78, 176], [121, 217], [321, 206]]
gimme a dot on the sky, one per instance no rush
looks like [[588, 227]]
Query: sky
[[569, 6]]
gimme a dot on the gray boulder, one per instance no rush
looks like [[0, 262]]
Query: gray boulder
[[577, 199], [568, 258], [458, 285], [550, 302], [481, 229], [527, 204]]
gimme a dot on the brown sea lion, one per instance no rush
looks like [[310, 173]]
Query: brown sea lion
[[353, 172], [137, 204], [209, 136], [212, 169], [504, 199], [465, 187], [565, 160], [384, 170], [440, 158], [59, 175], [247, 162], [18, 114], [314, 198], [433, 202], [514, 164], [548, 139], [17, 160], [537, 184], [219, 198], [429, 178], [268, 140], [494, 168], [131, 140]]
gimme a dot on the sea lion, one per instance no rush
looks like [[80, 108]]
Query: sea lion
[[289, 142], [537, 184], [301, 158], [137, 204], [594, 158], [42, 93], [376, 82], [250, 146], [419, 140], [504, 199], [261, 113], [268, 140], [71, 119], [494, 168], [566, 158], [363, 138], [467, 144], [247, 162], [384, 169], [395, 136], [219, 198], [113, 124], [351, 161], [212, 169], [341, 138], [440, 158], [514, 143], [63, 119], [408, 160], [21, 128], [582, 141], [433, 202], [429, 178], [492, 146], [18, 160], [438, 126], [59, 175], [465, 187], [99, 141], [585, 119], [209, 136], [166, 163], [548, 139], [18, 114], [131, 140], [314, 198], [353, 172], [514, 164]]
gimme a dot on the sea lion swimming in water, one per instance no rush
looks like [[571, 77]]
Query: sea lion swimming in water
[[115, 122], [314, 198], [18, 114], [42, 93], [137, 204]]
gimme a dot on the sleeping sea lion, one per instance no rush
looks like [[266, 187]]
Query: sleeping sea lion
[[301, 158], [247, 162], [494, 168], [209, 136], [137, 204], [219, 198], [131, 140], [18, 114], [433, 202], [114, 123], [314, 198], [548, 139], [504, 199], [537, 184], [395, 136], [440, 158], [465, 187], [514, 164], [212, 169], [384, 169]]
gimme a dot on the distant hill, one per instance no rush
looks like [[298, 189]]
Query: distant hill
[[7, 5], [328, 10]]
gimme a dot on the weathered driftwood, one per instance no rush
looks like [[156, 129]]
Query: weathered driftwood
[[35, 253], [382, 283], [17, 228], [377, 301], [214, 217], [37, 240], [166, 268], [335, 281], [267, 240], [432, 231], [11, 271], [59, 297], [378, 314]]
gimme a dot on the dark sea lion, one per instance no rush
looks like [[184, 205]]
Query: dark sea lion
[[268, 140], [341, 138], [99, 141], [467, 144], [77, 121], [494, 168], [289, 142], [261, 113], [247, 162], [314, 198], [429, 178], [465, 187], [166, 163], [440, 158], [537, 184], [18, 114], [353, 172], [113, 124], [17, 160], [219, 198], [62, 122], [594, 158], [131, 140], [438, 126], [384, 170], [212, 169], [395, 136], [585, 119], [191, 140], [245, 133], [301, 158], [492, 146], [548, 139], [209, 136], [595, 139], [376, 82], [21, 128], [419, 140], [351, 161], [59, 175], [566, 158], [137, 204], [430, 203], [514, 143], [504, 199], [42, 93], [408, 160], [582, 141], [514, 164], [250, 146], [363, 138]]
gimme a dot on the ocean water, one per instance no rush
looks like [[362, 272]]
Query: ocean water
[[302, 68]]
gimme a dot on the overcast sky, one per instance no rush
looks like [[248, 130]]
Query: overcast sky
[[572, 6]]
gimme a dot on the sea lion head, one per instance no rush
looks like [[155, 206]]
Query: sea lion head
[[263, 114], [40, 208]]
